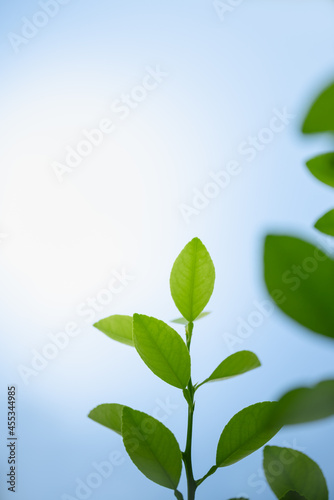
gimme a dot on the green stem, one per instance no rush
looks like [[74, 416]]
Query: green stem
[[187, 458]]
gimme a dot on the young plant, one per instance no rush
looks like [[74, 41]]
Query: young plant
[[151, 445]]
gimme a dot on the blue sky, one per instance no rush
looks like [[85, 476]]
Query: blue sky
[[197, 89]]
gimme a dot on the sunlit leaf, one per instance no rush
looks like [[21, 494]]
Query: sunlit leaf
[[109, 415], [152, 448], [117, 327], [162, 349], [236, 364], [245, 433], [183, 321], [192, 279]]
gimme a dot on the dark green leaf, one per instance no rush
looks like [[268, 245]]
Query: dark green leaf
[[182, 321], [290, 470], [321, 115], [322, 167], [306, 404], [162, 349], [245, 433], [109, 415], [192, 279], [117, 327], [152, 448], [326, 223], [300, 277], [293, 495], [236, 364]]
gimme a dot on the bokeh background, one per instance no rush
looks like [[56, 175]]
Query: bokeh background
[[121, 210]]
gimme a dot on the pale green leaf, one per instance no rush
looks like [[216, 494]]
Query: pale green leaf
[[192, 280], [183, 321], [162, 349], [109, 415], [117, 327], [245, 433], [236, 364], [152, 448]]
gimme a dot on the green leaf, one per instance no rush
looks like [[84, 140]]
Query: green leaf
[[290, 470], [162, 349], [236, 364], [322, 167], [192, 279], [152, 448], [117, 327], [109, 415], [306, 404], [320, 118], [300, 278], [245, 433], [293, 495], [182, 321], [326, 223]]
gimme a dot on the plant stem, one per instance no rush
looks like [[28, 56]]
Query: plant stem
[[187, 458], [187, 453]]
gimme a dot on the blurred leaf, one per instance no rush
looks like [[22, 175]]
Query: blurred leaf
[[152, 448], [290, 470], [245, 433], [182, 321], [322, 167], [117, 327], [162, 349], [109, 415], [300, 279], [320, 118], [293, 495], [306, 404], [192, 279], [326, 223], [236, 364]]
